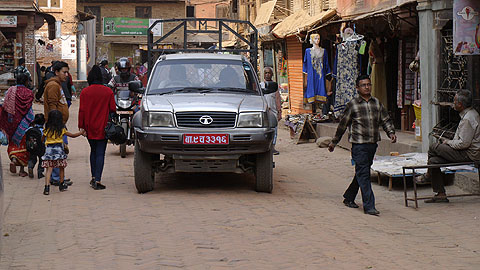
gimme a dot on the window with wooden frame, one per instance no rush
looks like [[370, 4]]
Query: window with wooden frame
[[143, 12], [50, 3], [190, 11], [325, 4], [307, 6]]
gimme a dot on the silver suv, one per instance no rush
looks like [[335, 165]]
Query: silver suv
[[203, 112]]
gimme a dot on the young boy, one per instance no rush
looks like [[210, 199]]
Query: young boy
[[35, 145]]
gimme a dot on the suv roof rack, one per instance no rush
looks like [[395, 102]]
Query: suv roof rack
[[202, 23]]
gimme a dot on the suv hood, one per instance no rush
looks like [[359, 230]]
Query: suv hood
[[205, 102]]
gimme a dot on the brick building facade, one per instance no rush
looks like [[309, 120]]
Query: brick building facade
[[131, 46], [65, 13]]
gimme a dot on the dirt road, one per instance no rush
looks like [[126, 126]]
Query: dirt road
[[218, 222]]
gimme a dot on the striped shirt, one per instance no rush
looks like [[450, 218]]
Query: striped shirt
[[363, 119]]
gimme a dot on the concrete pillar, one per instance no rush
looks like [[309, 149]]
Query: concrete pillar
[[429, 63]]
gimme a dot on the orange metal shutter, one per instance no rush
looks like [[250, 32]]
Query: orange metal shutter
[[295, 75]]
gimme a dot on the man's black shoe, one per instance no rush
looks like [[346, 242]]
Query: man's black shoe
[[350, 204], [373, 212], [98, 186]]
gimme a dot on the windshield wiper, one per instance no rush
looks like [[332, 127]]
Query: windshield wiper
[[182, 89], [235, 89]]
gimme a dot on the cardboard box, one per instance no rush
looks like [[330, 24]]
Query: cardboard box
[[418, 130]]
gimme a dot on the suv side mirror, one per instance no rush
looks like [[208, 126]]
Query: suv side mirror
[[136, 87]]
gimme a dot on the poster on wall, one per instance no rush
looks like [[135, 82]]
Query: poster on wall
[[69, 47], [466, 30], [130, 27], [8, 21]]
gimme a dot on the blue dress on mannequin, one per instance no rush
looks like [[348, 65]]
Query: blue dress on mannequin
[[316, 68]]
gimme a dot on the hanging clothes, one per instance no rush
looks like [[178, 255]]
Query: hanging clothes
[[347, 72], [315, 65], [378, 77]]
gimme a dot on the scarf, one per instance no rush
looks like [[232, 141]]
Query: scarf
[[17, 104]]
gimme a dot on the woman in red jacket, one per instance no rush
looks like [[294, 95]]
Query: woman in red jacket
[[96, 102]]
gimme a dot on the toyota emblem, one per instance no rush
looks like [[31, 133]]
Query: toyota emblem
[[206, 120]]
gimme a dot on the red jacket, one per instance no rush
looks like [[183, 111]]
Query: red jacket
[[96, 102]]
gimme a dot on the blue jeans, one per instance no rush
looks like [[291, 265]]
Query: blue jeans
[[33, 161], [97, 158], [362, 155], [56, 171]]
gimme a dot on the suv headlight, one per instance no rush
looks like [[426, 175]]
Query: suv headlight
[[253, 119], [157, 119]]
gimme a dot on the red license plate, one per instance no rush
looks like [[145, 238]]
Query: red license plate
[[205, 139]]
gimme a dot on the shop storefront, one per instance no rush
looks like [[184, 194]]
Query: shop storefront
[[294, 31], [17, 26]]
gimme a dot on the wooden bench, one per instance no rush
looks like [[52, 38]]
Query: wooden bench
[[413, 168]]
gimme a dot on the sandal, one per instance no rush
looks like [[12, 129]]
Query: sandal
[[22, 174]]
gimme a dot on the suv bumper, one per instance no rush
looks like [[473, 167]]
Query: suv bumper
[[170, 141]]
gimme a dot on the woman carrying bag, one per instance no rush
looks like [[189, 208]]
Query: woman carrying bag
[[96, 102]]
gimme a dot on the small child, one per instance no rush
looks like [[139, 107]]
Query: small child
[[35, 145], [54, 153]]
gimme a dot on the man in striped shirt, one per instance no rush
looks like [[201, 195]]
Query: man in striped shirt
[[363, 116]]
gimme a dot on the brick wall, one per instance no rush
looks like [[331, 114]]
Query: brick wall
[[166, 10], [66, 14], [29, 46]]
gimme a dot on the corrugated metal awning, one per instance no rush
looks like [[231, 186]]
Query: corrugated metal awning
[[265, 13], [300, 21]]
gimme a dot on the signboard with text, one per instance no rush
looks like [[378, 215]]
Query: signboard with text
[[8, 21], [129, 27], [466, 29]]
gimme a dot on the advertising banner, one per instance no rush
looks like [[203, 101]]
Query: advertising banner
[[8, 21], [466, 27], [69, 47], [129, 27]]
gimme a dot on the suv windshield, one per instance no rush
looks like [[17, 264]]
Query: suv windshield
[[202, 75]]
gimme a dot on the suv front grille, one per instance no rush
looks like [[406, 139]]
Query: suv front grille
[[208, 148], [192, 119]]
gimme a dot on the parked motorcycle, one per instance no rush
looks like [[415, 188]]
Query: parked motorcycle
[[127, 102]]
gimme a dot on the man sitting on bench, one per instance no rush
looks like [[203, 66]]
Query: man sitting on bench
[[464, 147]]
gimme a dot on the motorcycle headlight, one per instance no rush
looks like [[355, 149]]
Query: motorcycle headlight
[[124, 103], [254, 119], [157, 119]]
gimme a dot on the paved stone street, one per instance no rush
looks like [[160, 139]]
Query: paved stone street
[[218, 222]]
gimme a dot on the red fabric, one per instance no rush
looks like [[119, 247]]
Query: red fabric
[[96, 102], [23, 102], [19, 152]]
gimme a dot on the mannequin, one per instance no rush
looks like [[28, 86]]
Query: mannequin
[[316, 67], [379, 84], [347, 68]]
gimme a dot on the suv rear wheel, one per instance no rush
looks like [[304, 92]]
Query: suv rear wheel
[[264, 172], [144, 174]]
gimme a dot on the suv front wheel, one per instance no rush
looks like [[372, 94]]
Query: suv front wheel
[[264, 172], [144, 174]]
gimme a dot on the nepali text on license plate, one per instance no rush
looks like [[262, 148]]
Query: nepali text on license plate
[[205, 139]]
